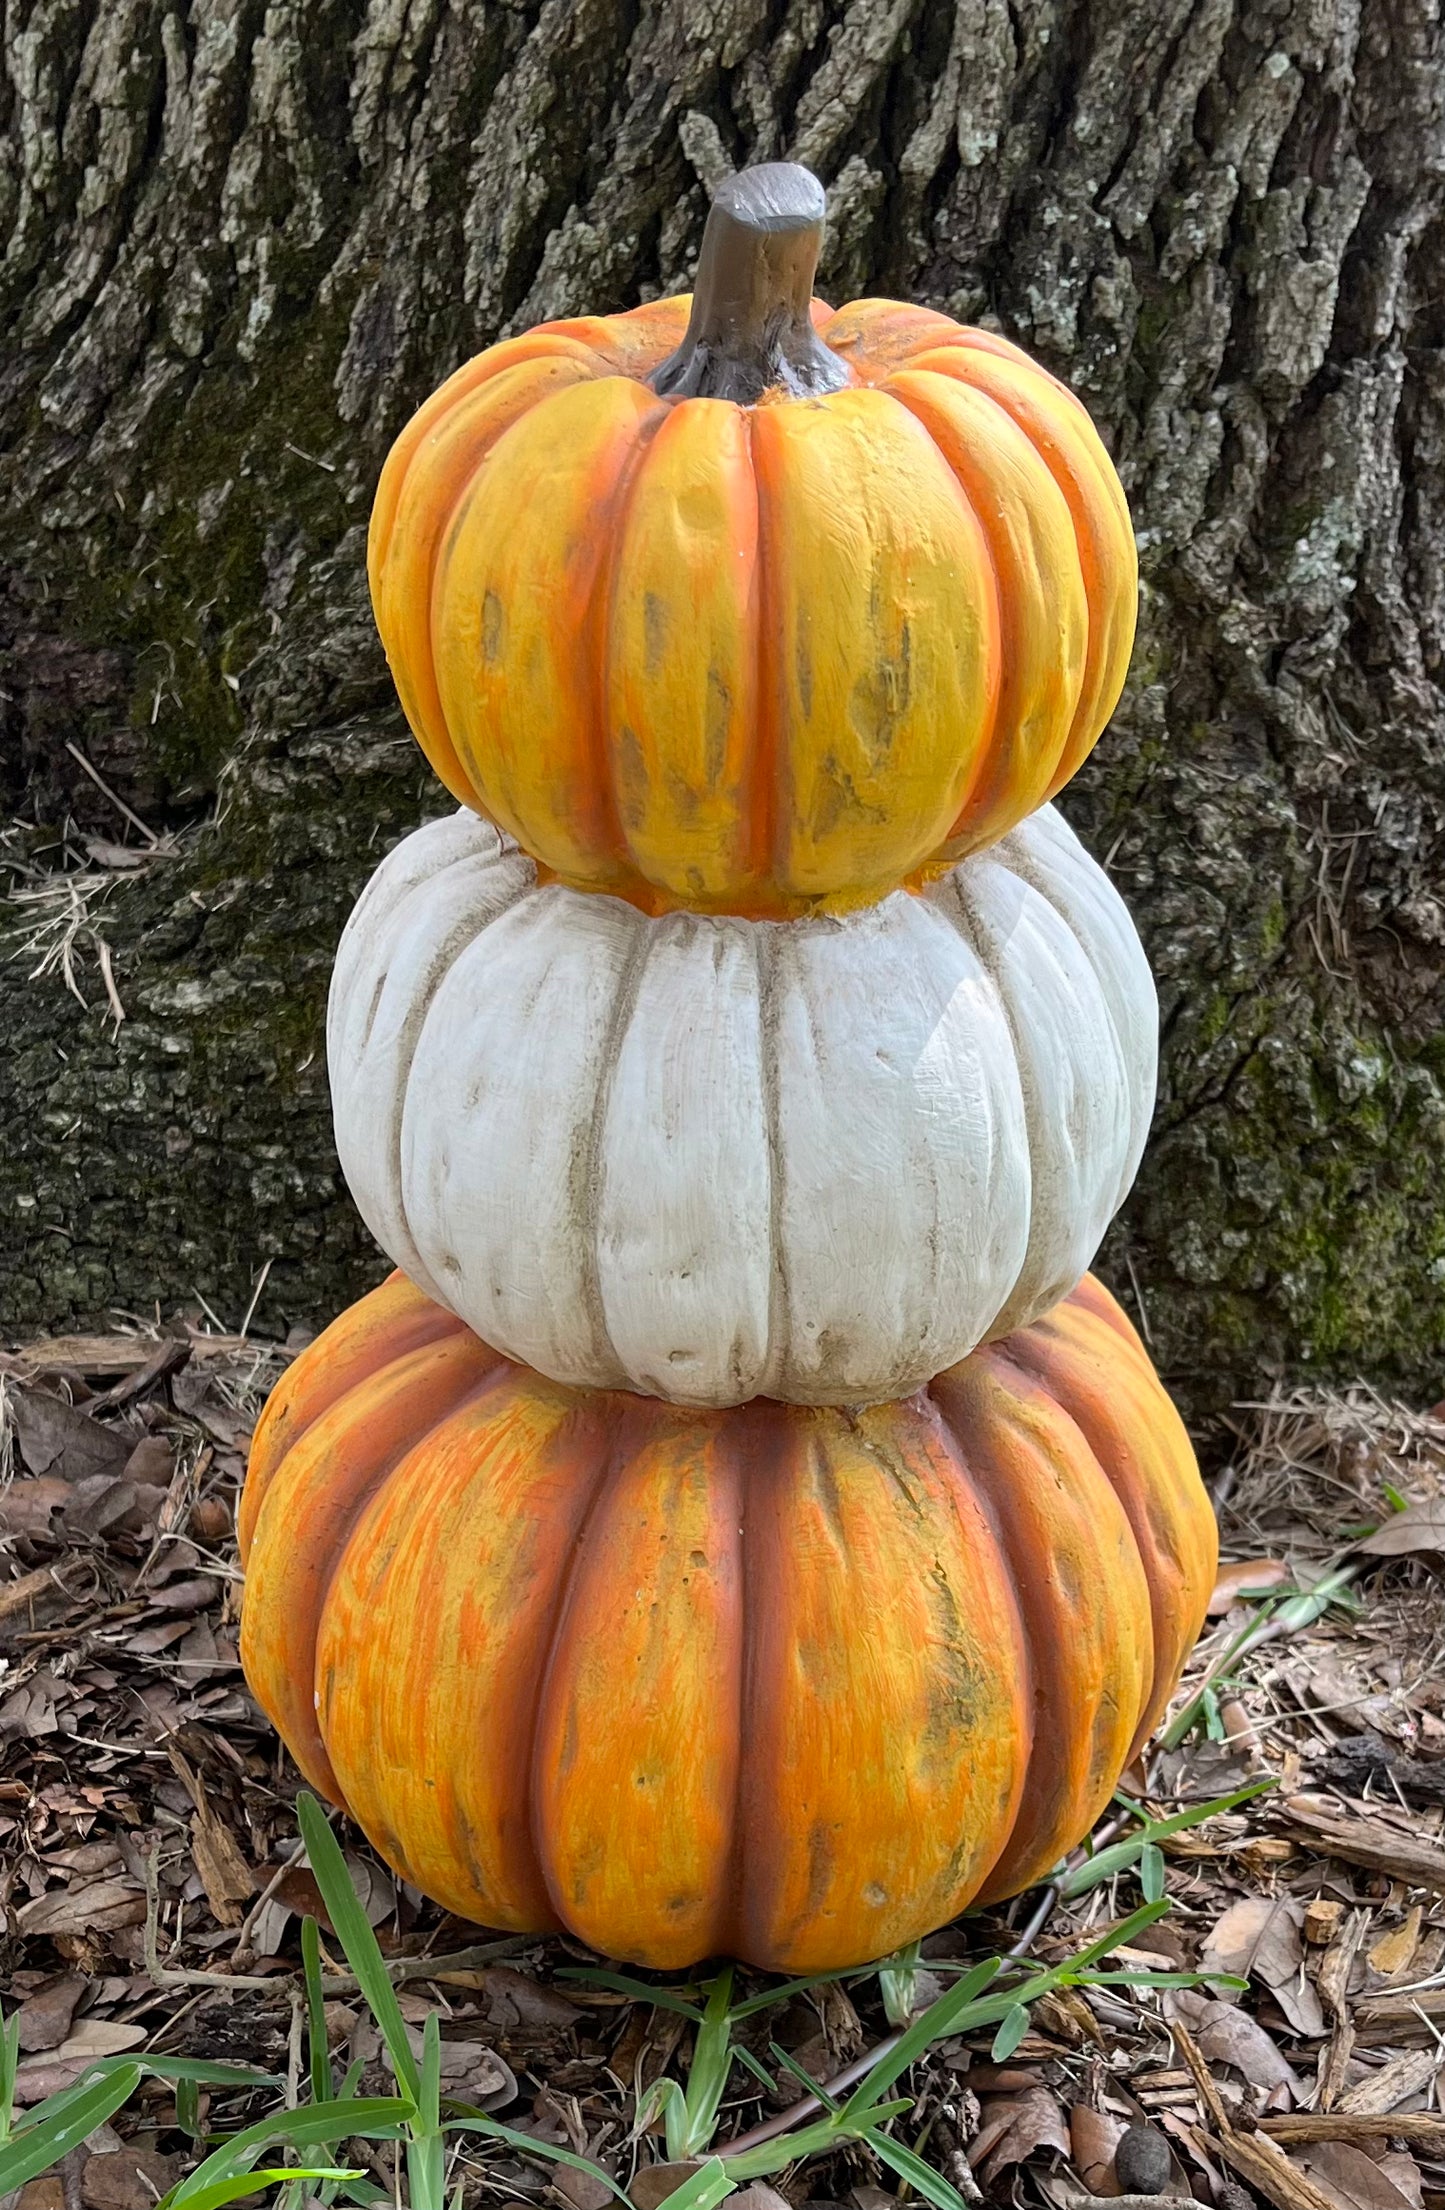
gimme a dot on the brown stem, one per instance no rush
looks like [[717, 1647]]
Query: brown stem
[[750, 329]]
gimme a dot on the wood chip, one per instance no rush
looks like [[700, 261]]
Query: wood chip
[[1369, 1842], [1394, 2083], [1424, 2128]]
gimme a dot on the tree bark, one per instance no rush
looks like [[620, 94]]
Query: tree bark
[[244, 239]]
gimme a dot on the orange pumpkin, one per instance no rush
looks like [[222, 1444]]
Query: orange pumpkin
[[787, 1683], [736, 603]]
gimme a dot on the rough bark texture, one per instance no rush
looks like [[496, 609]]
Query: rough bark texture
[[244, 239]]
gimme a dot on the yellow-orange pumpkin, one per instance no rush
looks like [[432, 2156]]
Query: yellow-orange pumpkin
[[786, 1683], [764, 655]]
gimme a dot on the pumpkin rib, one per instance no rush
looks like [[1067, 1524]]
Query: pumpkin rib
[[471, 1710], [1144, 1447], [385, 1325], [302, 1620], [1043, 601], [886, 639], [1033, 1465], [637, 1743], [1079, 463]]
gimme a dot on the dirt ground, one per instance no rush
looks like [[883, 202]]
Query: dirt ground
[[153, 1895]]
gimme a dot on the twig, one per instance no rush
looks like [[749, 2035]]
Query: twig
[[399, 1969], [103, 786], [19, 1595], [255, 1298], [296, 1851]]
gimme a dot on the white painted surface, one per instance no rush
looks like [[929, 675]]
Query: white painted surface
[[712, 1159]]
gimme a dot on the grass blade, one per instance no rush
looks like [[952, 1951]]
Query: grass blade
[[318, 2045], [921, 2177], [551, 2154], [704, 2189], [61, 2123], [940, 2018], [315, 2125], [353, 1931], [246, 2183], [1012, 2028], [1119, 1856]]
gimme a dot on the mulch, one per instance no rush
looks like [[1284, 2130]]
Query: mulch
[[153, 1894]]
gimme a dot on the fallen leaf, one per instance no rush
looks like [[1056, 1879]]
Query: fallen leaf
[[47, 2193], [127, 2179], [1260, 1937], [1400, 2167], [100, 2037], [1014, 2128], [584, 2190], [1093, 2138], [97, 1906], [151, 1463], [512, 1999], [472, 2072], [32, 1507], [1418, 1531], [1351, 2178], [1229, 2036], [1242, 1574], [45, 2016], [653, 2183], [56, 1438]]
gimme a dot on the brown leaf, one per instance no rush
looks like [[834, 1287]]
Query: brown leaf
[[46, 2193], [1013, 2129], [1245, 1573], [45, 2016], [583, 2190], [1351, 2178], [100, 2037], [1418, 1531], [96, 1906], [1093, 2138], [1228, 2036], [1400, 2167], [151, 1463], [56, 1438], [128, 2179], [653, 2183], [512, 1999], [192, 1595], [32, 1507], [1260, 1937]]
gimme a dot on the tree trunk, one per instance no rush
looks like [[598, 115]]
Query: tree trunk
[[245, 239]]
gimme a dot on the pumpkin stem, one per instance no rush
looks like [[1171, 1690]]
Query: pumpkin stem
[[750, 329]]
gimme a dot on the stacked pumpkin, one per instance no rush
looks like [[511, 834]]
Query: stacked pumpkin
[[741, 1525]]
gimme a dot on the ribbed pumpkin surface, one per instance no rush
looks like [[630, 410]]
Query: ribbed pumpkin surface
[[784, 1683], [753, 659]]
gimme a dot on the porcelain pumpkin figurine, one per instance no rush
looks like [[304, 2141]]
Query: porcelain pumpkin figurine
[[738, 604], [739, 1529]]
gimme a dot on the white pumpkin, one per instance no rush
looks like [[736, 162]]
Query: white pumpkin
[[710, 1158]]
